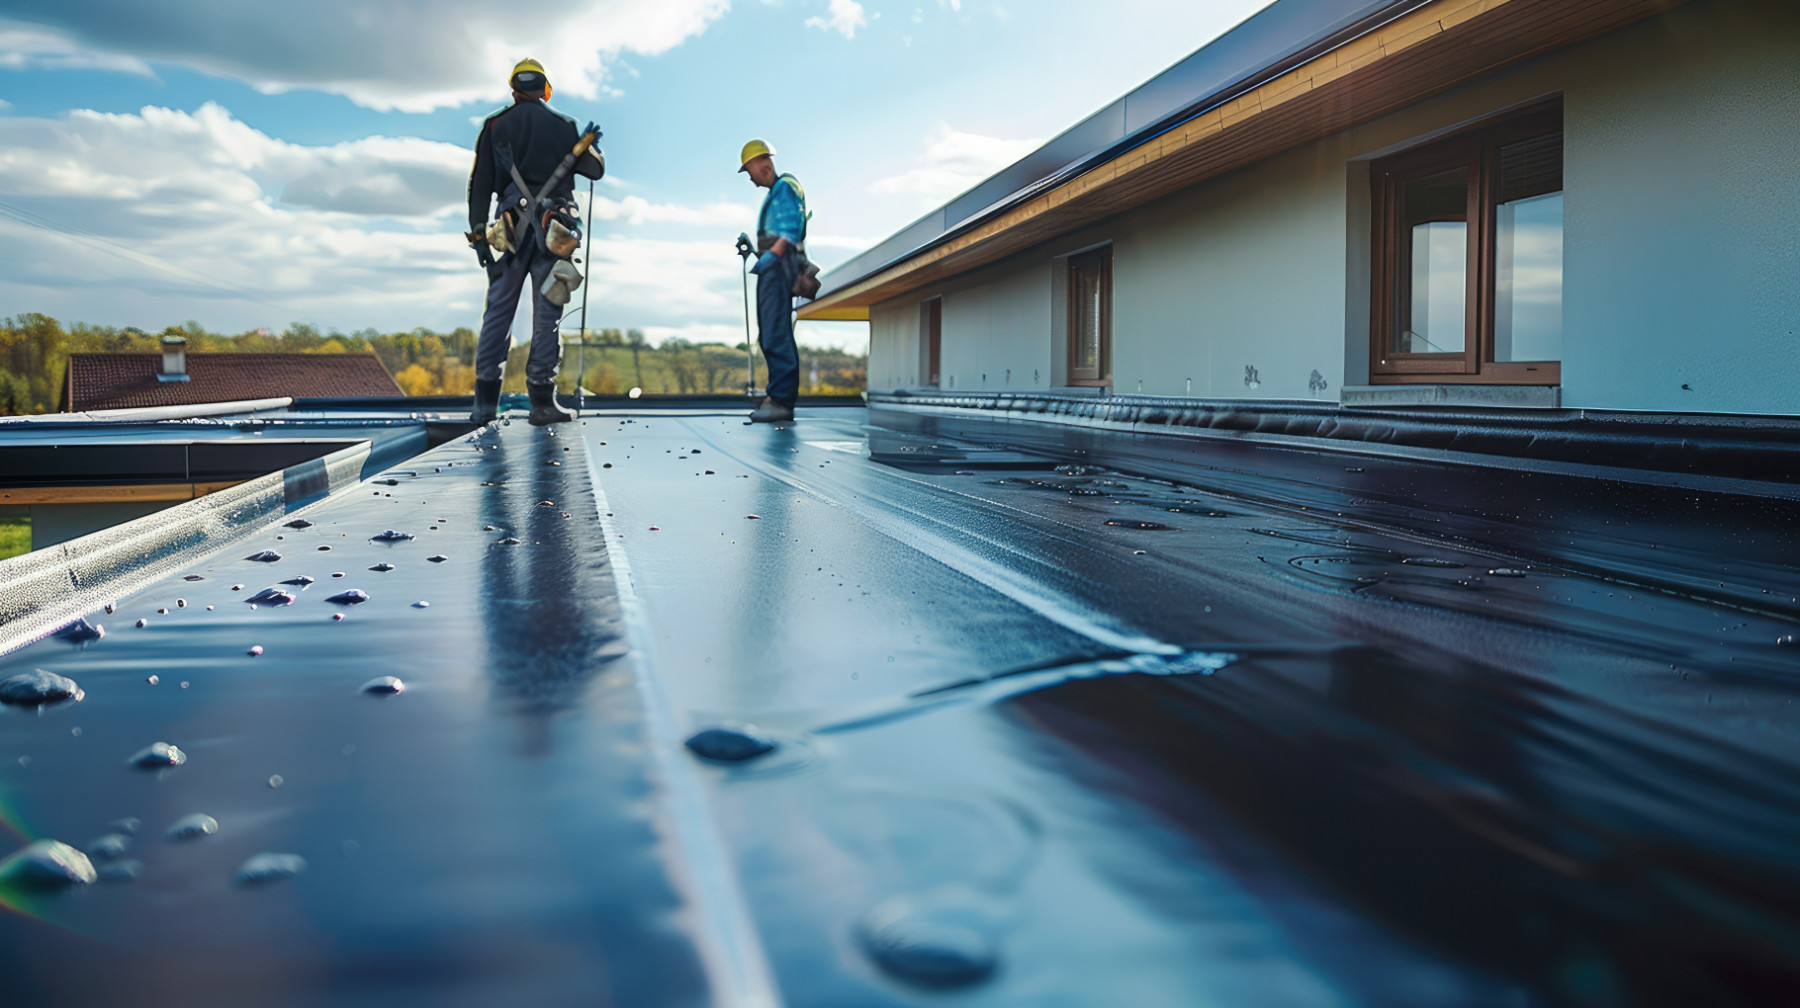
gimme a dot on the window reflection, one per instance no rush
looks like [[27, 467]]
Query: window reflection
[[1440, 270], [1435, 209], [1528, 223]]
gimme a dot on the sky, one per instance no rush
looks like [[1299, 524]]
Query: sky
[[253, 165]]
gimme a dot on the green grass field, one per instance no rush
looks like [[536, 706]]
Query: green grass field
[[15, 535]]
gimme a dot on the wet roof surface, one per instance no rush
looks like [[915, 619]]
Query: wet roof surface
[[1190, 722]]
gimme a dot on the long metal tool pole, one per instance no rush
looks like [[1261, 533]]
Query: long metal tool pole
[[749, 344], [587, 260]]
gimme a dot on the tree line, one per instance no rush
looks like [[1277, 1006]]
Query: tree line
[[35, 348]]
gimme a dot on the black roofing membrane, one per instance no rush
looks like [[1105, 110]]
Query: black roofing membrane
[[1059, 716]]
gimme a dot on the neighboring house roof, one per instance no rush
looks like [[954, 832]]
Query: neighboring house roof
[[118, 380], [1297, 70]]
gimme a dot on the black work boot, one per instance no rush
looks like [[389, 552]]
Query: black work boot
[[770, 411], [487, 401], [544, 410]]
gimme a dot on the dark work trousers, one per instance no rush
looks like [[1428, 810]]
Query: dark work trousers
[[775, 328], [529, 265]]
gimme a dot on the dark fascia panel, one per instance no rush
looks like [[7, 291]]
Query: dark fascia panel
[[154, 461], [1269, 43]]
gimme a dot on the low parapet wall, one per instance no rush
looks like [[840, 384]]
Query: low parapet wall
[[1759, 448], [47, 589]]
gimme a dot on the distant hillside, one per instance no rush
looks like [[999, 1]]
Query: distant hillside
[[34, 349]]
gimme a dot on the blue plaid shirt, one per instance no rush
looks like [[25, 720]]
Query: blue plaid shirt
[[783, 213]]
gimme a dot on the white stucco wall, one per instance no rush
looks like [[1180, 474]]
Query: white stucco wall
[[997, 333], [1246, 272], [894, 345], [1681, 241]]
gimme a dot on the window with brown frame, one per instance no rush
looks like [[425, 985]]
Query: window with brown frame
[[1090, 317], [931, 340], [1468, 256]]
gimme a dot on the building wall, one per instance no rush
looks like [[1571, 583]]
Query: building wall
[[996, 335], [1682, 248], [1681, 241], [1236, 288], [894, 345], [996, 332]]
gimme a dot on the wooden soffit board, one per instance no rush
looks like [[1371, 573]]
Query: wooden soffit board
[[130, 493], [1424, 52]]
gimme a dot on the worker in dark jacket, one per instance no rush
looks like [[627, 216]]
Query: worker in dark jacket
[[781, 238], [517, 153]]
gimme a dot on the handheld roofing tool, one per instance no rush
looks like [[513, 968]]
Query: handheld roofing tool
[[745, 251]]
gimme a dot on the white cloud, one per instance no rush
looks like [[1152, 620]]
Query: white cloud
[[379, 53], [842, 16], [950, 164], [638, 210], [163, 215], [27, 47]]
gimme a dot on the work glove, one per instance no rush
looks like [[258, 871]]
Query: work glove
[[766, 263], [478, 241]]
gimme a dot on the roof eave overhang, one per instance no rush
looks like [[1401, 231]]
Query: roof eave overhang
[[1423, 52]]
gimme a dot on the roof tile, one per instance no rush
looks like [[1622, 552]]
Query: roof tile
[[120, 380]]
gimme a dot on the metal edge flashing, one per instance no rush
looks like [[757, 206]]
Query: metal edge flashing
[[46, 589], [516, 400], [1345, 28], [149, 414], [1764, 450]]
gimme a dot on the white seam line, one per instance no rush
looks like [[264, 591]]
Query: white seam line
[[729, 944], [1052, 606]]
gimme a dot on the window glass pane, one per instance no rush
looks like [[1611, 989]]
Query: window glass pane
[[1084, 283], [1528, 251], [1435, 210]]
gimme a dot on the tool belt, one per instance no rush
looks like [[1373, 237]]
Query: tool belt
[[806, 277]]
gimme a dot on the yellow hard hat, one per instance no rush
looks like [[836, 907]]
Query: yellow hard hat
[[529, 66], [753, 150]]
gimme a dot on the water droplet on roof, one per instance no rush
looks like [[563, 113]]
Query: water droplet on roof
[[38, 687], [122, 871], [110, 846], [157, 755], [270, 597], [933, 952], [81, 631], [47, 864], [191, 827], [267, 867], [729, 745]]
